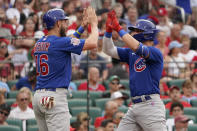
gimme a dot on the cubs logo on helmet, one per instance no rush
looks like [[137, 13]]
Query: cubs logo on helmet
[[139, 65]]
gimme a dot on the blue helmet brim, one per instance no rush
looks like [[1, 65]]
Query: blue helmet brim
[[132, 28]]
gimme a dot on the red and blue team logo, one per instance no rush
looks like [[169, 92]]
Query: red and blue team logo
[[139, 65]]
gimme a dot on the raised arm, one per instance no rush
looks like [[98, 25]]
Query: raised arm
[[92, 40], [132, 43], [108, 45]]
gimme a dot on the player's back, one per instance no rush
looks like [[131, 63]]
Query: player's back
[[53, 62]]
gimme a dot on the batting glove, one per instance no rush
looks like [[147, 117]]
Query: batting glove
[[115, 24]]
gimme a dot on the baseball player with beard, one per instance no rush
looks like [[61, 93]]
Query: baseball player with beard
[[52, 54], [145, 64]]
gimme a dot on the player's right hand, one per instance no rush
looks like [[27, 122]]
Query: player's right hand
[[109, 23], [85, 19], [92, 18]]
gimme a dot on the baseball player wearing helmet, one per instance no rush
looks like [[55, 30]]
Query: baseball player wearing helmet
[[145, 64], [53, 61]]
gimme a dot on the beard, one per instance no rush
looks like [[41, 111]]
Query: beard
[[62, 32]]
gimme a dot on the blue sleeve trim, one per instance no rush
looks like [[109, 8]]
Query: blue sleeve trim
[[108, 35], [143, 51], [122, 33]]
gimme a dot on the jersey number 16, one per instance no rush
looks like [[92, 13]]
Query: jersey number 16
[[42, 68]]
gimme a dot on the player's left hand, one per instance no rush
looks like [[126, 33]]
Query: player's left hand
[[115, 24]]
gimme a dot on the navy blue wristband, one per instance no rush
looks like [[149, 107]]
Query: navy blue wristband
[[108, 35], [122, 33], [79, 31]]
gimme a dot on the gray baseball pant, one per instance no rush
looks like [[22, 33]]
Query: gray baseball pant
[[56, 118], [145, 116]]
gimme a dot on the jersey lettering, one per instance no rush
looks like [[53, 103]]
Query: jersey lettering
[[41, 46]]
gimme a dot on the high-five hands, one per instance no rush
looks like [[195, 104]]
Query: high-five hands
[[91, 16], [112, 22]]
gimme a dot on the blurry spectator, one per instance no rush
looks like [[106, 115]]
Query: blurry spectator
[[44, 8], [99, 129], [22, 111], [188, 91], [118, 68], [72, 86], [143, 6], [5, 4], [108, 125], [94, 61], [68, 7], [164, 23], [164, 91], [28, 34], [110, 108], [30, 96], [17, 15], [174, 34], [131, 17], [161, 37], [93, 77], [176, 66], [114, 84], [4, 87], [119, 98], [181, 123], [4, 113], [194, 82], [29, 28], [118, 8], [19, 54], [186, 53], [35, 20], [107, 4], [151, 15], [82, 122], [126, 5], [176, 109], [29, 81], [5, 67], [187, 30], [5, 25], [117, 118], [175, 96]]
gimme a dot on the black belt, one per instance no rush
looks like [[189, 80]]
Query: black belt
[[141, 99]]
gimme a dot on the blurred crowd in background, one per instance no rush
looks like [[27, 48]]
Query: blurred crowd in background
[[21, 26]]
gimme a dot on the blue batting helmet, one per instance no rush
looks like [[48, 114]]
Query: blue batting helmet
[[147, 30], [52, 16]]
